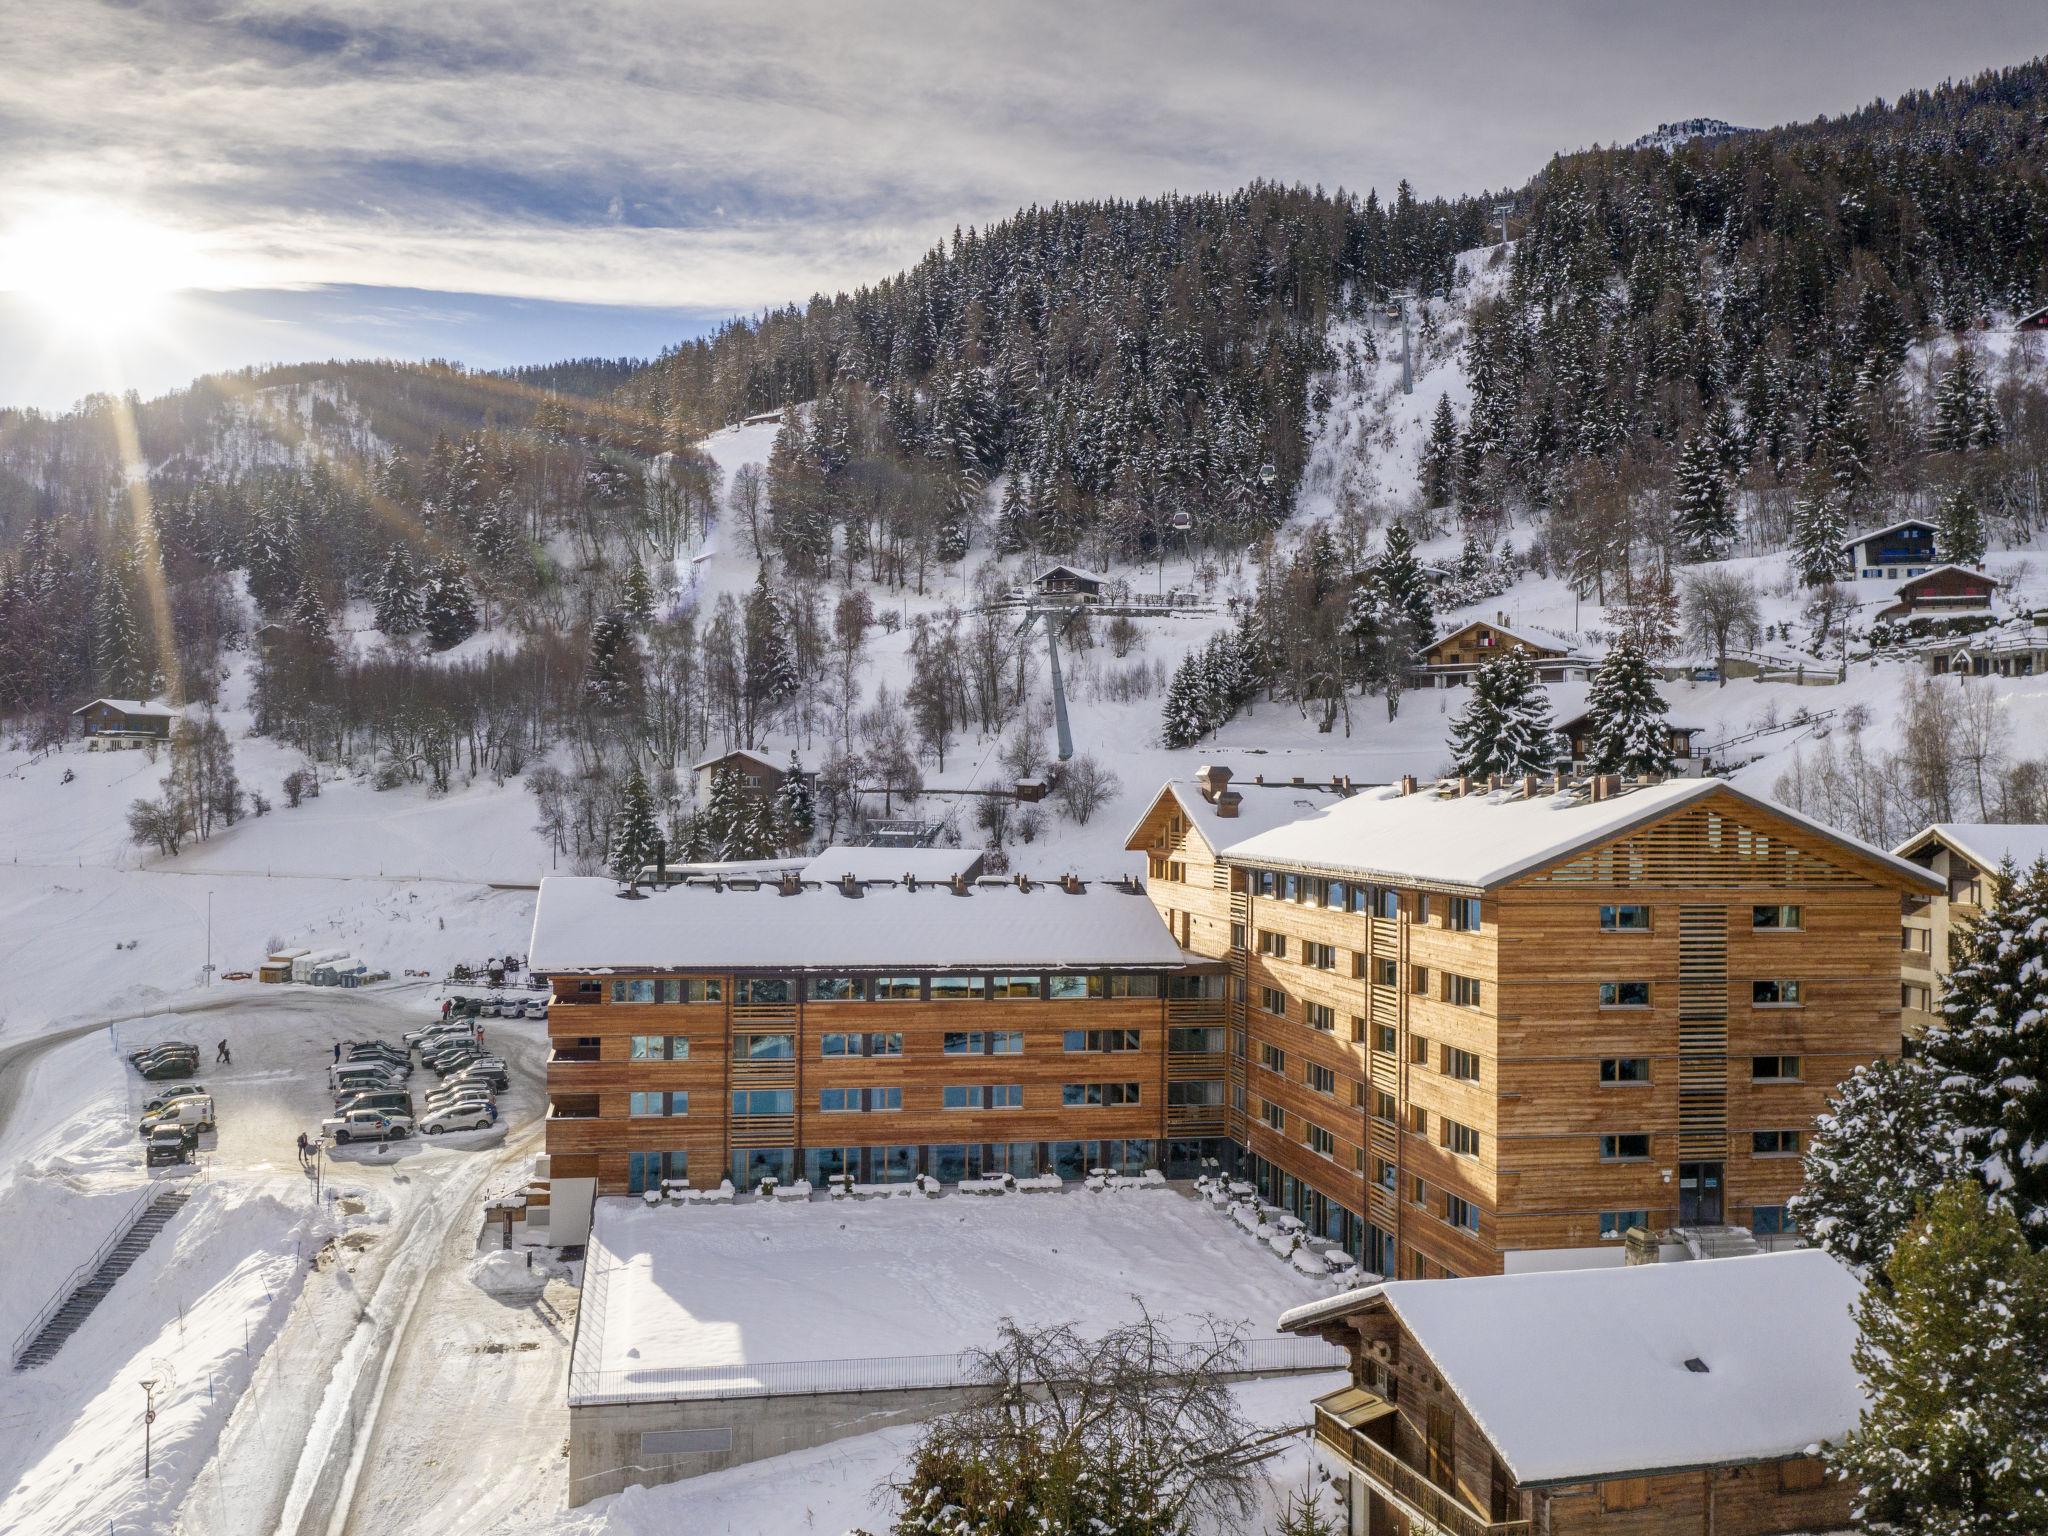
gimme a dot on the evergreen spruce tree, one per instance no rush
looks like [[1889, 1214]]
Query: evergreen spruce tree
[[636, 834], [1631, 733], [120, 656], [1820, 527], [1440, 456], [450, 610], [725, 813], [1402, 588], [1960, 405], [1505, 727], [794, 815], [636, 595], [1959, 527], [1991, 1045], [1954, 1358], [1875, 1160], [771, 659], [1183, 719], [1705, 520], [612, 675], [401, 606]]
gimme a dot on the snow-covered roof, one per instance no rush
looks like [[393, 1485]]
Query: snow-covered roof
[[1960, 570], [581, 923], [128, 707], [1070, 570], [1480, 841], [1878, 533], [1581, 1373], [1260, 808], [747, 752], [1987, 844], [837, 862], [1528, 634]]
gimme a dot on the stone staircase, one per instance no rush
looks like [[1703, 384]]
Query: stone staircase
[[46, 1336], [1719, 1242]]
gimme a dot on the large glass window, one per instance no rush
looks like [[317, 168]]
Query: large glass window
[[1779, 917], [1098, 1095], [890, 1044], [1076, 1040], [898, 988], [825, 1163], [894, 1165], [633, 991], [1625, 1148], [957, 988], [1615, 1224], [1189, 988], [962, 1043], [839, 1045], [1198, 1093], [660, 1047], [1070, 1159], [763, 1101], [1774, 994], [883, 1100], [648, 1170], [835, 989], [1624, 994], [1202, 1040], [1625, 919], [949, 1164], [1006, 1042], [778, 1163], [659, 1104], [1625, 1069], [1134, 986], [1015, 986], [1067, 987], [767, 1047], [768, 991]]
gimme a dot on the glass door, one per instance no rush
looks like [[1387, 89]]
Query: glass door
[[1699, 1194]]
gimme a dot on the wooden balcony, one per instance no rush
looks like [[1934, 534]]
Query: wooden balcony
[[1194, 1119], [1431, 1510], [763, 1131], [763, 1074], [1196, 1010], [764, 1013]]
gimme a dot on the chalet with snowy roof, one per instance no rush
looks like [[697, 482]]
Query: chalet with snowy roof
[[2016, 649], [929, 866], [2035, 320], [1947, 591], [1068, 581], [1452, 660], [1650, 1398], [1886, 554], [1966, 856], [758, 774], [1491, 1027], [1577, 734], [124, 722], [875, 1030]]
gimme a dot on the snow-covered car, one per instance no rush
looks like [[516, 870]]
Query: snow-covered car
[[353, 1072], [367, 1125], [464, 1115], [468, 1095], [377, 1050], [383, 1100], [163, 1096], [195, 1112], [448, 1026]]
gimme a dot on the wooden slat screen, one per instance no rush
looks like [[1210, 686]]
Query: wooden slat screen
[[1702, 1031], [1700, 848]]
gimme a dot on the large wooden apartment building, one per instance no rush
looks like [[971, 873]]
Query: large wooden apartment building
[[1473, 1029], [873, 1028]]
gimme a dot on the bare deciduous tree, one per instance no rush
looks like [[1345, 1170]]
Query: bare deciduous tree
[[1720, 606]]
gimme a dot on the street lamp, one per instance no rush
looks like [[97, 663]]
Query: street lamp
[[148, 1418]]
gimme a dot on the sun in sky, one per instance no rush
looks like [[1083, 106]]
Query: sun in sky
[[95, 268]]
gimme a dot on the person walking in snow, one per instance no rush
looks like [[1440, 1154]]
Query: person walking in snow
[[337, 1052], [302, 1149], [220, 1053]]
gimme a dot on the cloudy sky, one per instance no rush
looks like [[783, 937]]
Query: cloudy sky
[[508, 182]]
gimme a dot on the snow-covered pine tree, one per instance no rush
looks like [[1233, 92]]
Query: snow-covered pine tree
[[636, 595], [725, 813], [1403, 589], [120, 656], [794, 816], [1954, 1359], [1183, 718], [450, 610], [1820, 527], [1705, 520], [1012, 531], [1505, 727], [1961, 404], [400, 602], [771, 660], [1631, 733], [1875, 1160], [612, 675], [636, 834], [1959, 527], [1992, 1045], [1440, 456]]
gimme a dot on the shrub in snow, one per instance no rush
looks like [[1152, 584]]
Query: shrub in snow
[[1282, 1242], [1247, 1218], [652, 1197], [1309, 1262]]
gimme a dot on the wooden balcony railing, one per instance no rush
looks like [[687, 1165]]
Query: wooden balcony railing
[[1434, 1509], [1195, 1010], [764, 1130], [763, 1074], [1190, 1118], [764, 1013]]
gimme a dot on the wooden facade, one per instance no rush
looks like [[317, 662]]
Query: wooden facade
[[1904, 549], [1930, 923], [124, 721], [1946, 591], [1453, 659], [1443, 1078]]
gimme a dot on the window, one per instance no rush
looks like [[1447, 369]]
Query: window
[[1273, 1115], [766, 1047], [839, 1045], [1134, 986], [1198, 1041], [768, 991], [1006, 1096], [1384, 1107], [1383, 1174], [1418, 980], [1274, 944], [1261, 881], [839, 1101], [1624, 994], [632, 991], [963, 1043], [1336, 896], [1198, 1093], [1772, 1220], [661, 1047], [1615, 1224], [1385, 973], [1774, 1069], [1624, 919], [1322, 1079], [1916, 940], [1625, 1069], [763, 1101], [890, 1044], [1776, 917], [898, 988], [700, 990], [957, 988], [1065, 988], [1385, 1040], [883, 1099], [1237, 935], [1014, 986], [1274, 1001], [1074, 1040], [1463, 914], [1092, 1094], [1321, 956], [999, 1096], [1422, 906], [1272, 1058], [1006, 1042], [1319, 1015], [659, 1104], [1463, 991], [1418, 1119], [1461, 1139], [835, 989], [1913, 995], [1417, 1190], [1774, 1143], [1460, 1212], [1774, 994], [1463, 1065], [1318, 1139], [960, 1098], [1418, 1050], [1627, 1148]]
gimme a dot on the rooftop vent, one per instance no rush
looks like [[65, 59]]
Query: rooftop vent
[[1213, 779], [1227, 804], [1697, 1366], [1407, 783], [959, 885], [848, 886], [1072, 885], [791, 883]]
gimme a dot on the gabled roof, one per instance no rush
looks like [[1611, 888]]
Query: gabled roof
[[1878, 533], [1260, 808], [1528, 634], [1581, 1374], [1961, 570], [865, 863], [1985, 844], [1585, 715], [582, 924], [128, 707], [1070, 570], [747, 752], [1479, 842]]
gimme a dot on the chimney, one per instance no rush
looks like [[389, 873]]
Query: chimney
[[1495, 781], [1298, 779], [1072, 885], [1560, 781], [1529, 786], [848, 886], [1227, 804], [791, 883], [909, 881], [1258, 778], [1023, 882], [959, 885], [1407, 783], [1213, 779], [1464, 784], [1597, 787], [1613, 784]]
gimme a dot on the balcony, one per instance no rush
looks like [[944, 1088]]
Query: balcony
[[573, 1109], [563, 1053], [1341, 1420]]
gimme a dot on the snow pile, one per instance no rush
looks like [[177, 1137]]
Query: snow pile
[[510, 1274]]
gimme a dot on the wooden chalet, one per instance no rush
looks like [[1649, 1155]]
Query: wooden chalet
[[1903, 549], [1966, 857], [124, 722], [798, 1029], [2034, 320], [759, 775], [1069, 581], [1655, 1398], [1577, 734], [2018, 649], [1452, 660], [1486, 1028], [1947, 591]]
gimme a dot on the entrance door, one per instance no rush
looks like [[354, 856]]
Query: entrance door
[[1699, 1194]]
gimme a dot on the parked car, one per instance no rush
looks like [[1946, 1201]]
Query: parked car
[[450, 1025], [454, 1059], [463, 1115], [479, 1071], [174, 1059], [196, 1112], [367, 1125], [377, 1050], [168, 1145], [473, 1093], [383, 1100], [401, 1065], [164, 1096], [164, 1047], [373, 1078]]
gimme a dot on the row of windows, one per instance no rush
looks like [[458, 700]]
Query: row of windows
[[1460, 912], [1762, 1069], [1764, 1221], [1776, 918], [1460, 991], [960, 1042], [781, 990], [1455, 1209], [1636, 1147], [1762, 994]]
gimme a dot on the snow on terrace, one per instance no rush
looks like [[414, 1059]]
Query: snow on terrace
[[754, 1284]]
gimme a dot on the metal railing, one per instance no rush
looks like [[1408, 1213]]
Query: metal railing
[[896, 1373], [83, 1273], [1427, 1504]]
